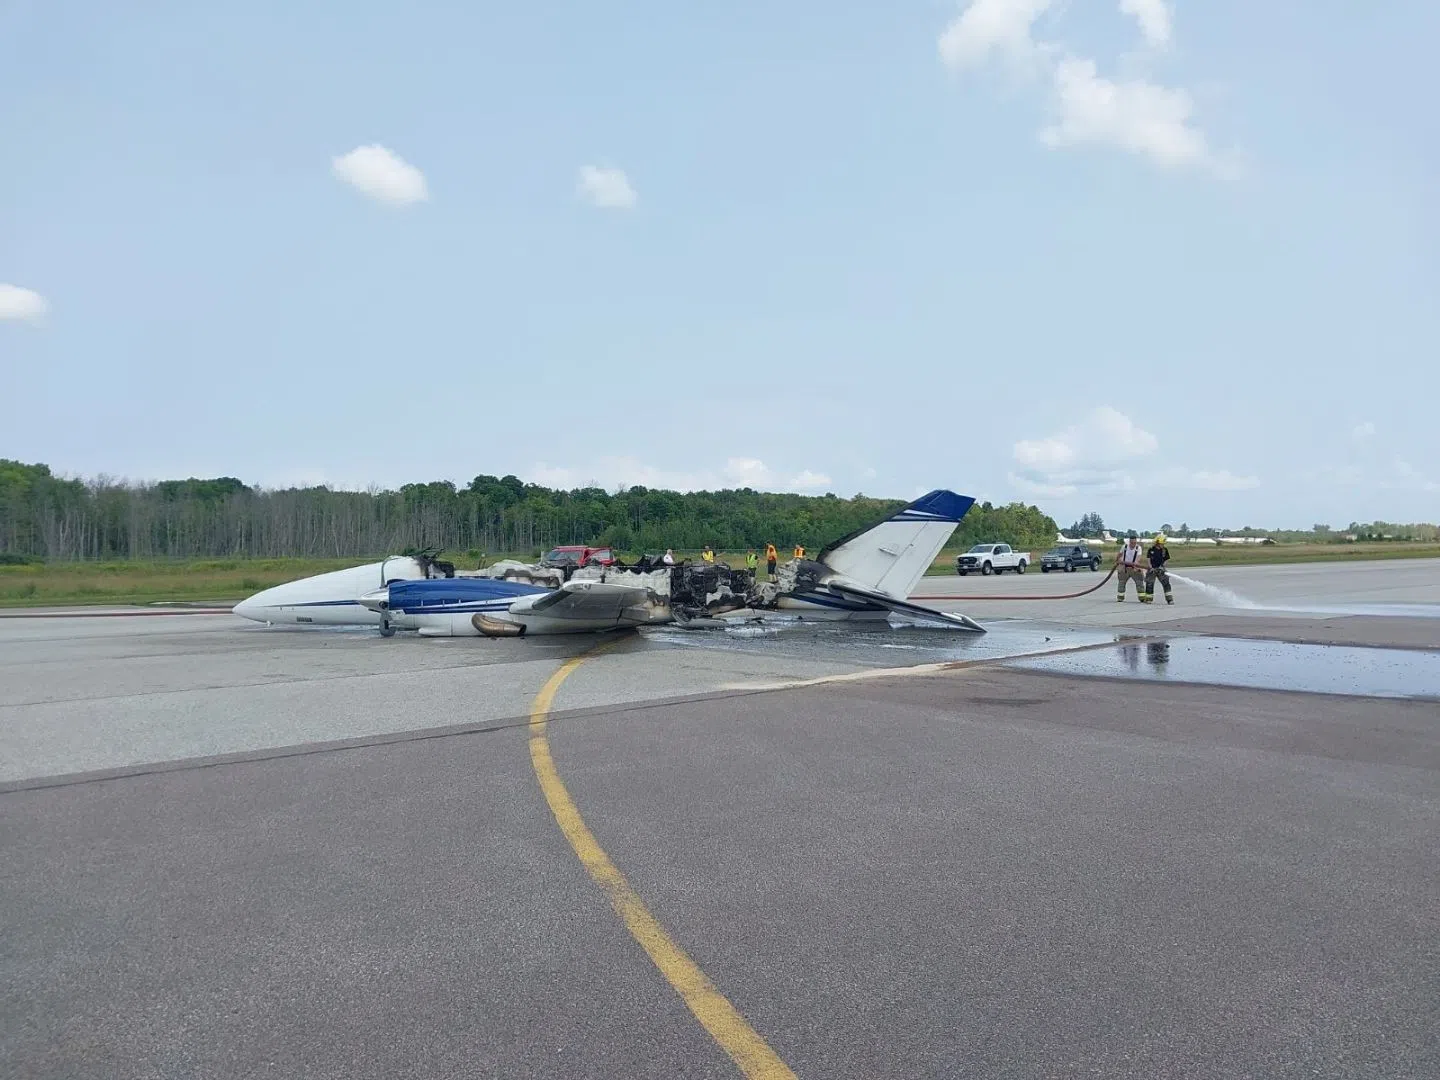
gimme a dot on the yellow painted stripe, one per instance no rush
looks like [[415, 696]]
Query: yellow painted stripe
[[721, 1019]]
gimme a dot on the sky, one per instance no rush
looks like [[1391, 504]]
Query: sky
[[1160, 259]]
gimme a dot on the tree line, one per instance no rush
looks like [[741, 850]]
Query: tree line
[[43, 516], [1093, 525]]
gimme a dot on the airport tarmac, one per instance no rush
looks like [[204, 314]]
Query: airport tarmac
[[238, 850]]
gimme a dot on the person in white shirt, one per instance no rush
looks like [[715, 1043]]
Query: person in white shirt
[[1130, 564], [669, 558]]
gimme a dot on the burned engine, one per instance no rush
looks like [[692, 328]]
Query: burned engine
[[701, 589]]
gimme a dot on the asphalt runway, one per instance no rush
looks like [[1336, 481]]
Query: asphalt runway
[[245, 851]]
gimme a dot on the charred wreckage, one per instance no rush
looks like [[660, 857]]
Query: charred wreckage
[[866, 575]]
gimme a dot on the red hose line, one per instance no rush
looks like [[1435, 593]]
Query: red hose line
[[1061, 596]]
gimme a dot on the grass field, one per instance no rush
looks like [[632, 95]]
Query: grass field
[[229, 580], [145, 582]]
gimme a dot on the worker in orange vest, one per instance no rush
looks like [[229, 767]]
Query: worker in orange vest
[[771, 555], [799, 551]]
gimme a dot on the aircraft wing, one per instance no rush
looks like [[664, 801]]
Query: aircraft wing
[[901, 607], [591, 600]]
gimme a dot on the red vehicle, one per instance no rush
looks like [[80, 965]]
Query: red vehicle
[[577, 555]]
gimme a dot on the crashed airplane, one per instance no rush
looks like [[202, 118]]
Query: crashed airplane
[[867, 575]]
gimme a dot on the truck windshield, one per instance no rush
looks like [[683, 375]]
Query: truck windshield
[[980, 547]]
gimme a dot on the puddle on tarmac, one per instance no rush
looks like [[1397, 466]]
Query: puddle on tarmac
[[884, 644], [1275, 665]]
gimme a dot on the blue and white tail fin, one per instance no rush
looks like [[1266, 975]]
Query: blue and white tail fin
[[892, 557]]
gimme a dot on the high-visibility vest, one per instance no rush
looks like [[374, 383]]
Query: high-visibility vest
[[752, 560], [770, 553], [799, 551], [708, 555]]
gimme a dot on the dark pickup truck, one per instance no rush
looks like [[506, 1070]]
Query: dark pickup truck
[[1069, 557]]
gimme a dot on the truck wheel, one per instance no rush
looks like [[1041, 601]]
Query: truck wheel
[[1095, 565], [1069, 567], [987, 569], [1044, 569], [1020, 567], [962, 573]]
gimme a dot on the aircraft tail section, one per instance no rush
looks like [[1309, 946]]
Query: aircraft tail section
[[891, 557]]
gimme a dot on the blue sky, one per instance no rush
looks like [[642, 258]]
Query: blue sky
[[1166, 260]]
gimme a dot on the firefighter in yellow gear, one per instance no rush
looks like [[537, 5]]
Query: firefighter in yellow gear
[[1158, 555]]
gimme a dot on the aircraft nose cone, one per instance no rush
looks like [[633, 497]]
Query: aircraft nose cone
[[248, 609], [378, 600]]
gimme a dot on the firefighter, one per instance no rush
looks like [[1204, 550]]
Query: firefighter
[[1158, 555], [771, 555], [1128, 565]]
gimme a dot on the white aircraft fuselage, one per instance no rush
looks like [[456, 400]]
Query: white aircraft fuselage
[[331, 599]]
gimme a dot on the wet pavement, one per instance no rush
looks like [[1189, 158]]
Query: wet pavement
[[1275, 665], [894, 644]]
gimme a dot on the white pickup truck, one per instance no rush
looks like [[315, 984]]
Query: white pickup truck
[[991, 559]]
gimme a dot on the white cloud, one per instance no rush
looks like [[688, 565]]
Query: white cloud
[[1407, 477], [624, 472], [1364, 431], [1132, 115], [746, 472], [382, 175], [1153, 17], [606, 188], [22, 305], [1096, 456], [1087, 109], [1206, 480], [989, 27], [1087, 456], [806, 480], [1059, 485], [870, 473], [1106, 436]]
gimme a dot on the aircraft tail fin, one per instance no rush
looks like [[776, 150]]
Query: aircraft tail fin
[[892, 556]]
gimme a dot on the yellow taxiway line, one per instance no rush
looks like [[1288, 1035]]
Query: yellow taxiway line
[[715, 1013]]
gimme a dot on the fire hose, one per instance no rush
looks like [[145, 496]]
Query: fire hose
[[1043, 596]]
